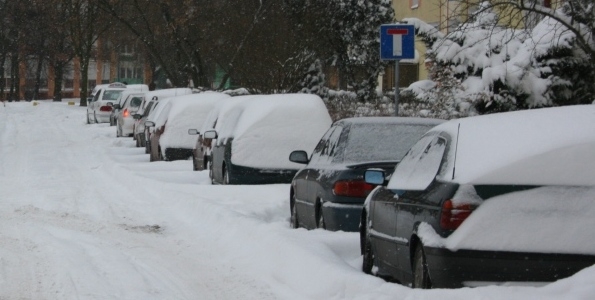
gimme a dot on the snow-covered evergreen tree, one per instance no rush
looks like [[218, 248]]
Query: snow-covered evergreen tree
[[314, 81]]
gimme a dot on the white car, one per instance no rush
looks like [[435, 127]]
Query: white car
[[128, 106], [100, 107], [149, 103]]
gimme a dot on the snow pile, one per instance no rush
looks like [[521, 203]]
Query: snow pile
[[546, 220]]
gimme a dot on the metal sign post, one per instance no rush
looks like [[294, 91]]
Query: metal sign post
[[397, 42]]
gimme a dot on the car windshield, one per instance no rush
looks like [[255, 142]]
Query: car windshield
[[379, 141], [112, 95]]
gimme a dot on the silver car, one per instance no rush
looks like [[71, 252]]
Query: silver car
[[129, 105]]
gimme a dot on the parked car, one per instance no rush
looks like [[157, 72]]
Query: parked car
[[101, 106], [169, 140], [129, 105], [507, 197], [147, 106], [330, 191], [255, 137], [201, 153]]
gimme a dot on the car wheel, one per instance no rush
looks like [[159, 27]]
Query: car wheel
[[421, 278], [320, 221], [95, 117], [194, 164], [368, 255], [293, 220], [211, 174], [225, 175]]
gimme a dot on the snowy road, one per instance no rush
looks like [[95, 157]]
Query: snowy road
[[84, 215]]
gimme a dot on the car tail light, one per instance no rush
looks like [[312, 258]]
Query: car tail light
[[105, 108], [125, 113], [453, 215], [352, 188]]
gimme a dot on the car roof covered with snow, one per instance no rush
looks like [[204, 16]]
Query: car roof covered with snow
[[275, 124], [548, 146], [185, 112]]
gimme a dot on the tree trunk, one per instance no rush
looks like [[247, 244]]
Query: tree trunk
[[38, 77], [84, 80], [59, 74]]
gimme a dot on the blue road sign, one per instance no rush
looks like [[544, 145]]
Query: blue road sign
[[397, 42]]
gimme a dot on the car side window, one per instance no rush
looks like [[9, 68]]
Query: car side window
[[323, 148], [418, 169], [97, 95]]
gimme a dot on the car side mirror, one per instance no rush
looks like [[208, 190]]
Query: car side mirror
[[376, 177], [300, 157], [211, 134], [116, 106], [193, 132], [137, 116], [149, 124], [110, 104]]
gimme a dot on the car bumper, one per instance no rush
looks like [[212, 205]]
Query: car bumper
[[450, 269], [127, 126], [177, 153], [102, 117], [339, 216], [247, 175]]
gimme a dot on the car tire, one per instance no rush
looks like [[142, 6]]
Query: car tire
[[211, 174], [421, 278], [320, 223], [95, 117], [225, 175], [368, 255], [194, 166], [293, 220]]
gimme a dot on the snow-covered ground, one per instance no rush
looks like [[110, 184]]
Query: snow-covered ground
[[84, 215]]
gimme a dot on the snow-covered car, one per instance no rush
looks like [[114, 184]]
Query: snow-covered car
[[201, 154], [148, 104], [169, 139], [330, 190], [256, 136], [507, 197], [128, 106], [101, 106]]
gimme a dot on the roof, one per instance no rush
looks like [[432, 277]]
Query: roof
[[548, 146], [391, 120]]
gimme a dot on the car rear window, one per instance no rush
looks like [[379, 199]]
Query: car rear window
[[378, 142], [112, 95], [136, 101], [489, 191]]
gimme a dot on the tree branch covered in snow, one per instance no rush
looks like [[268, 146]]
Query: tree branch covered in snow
[[511, 55]]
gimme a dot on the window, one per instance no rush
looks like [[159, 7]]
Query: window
[[414, 3], [418, 169]]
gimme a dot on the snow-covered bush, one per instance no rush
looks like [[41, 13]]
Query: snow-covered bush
[[484, 67]]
